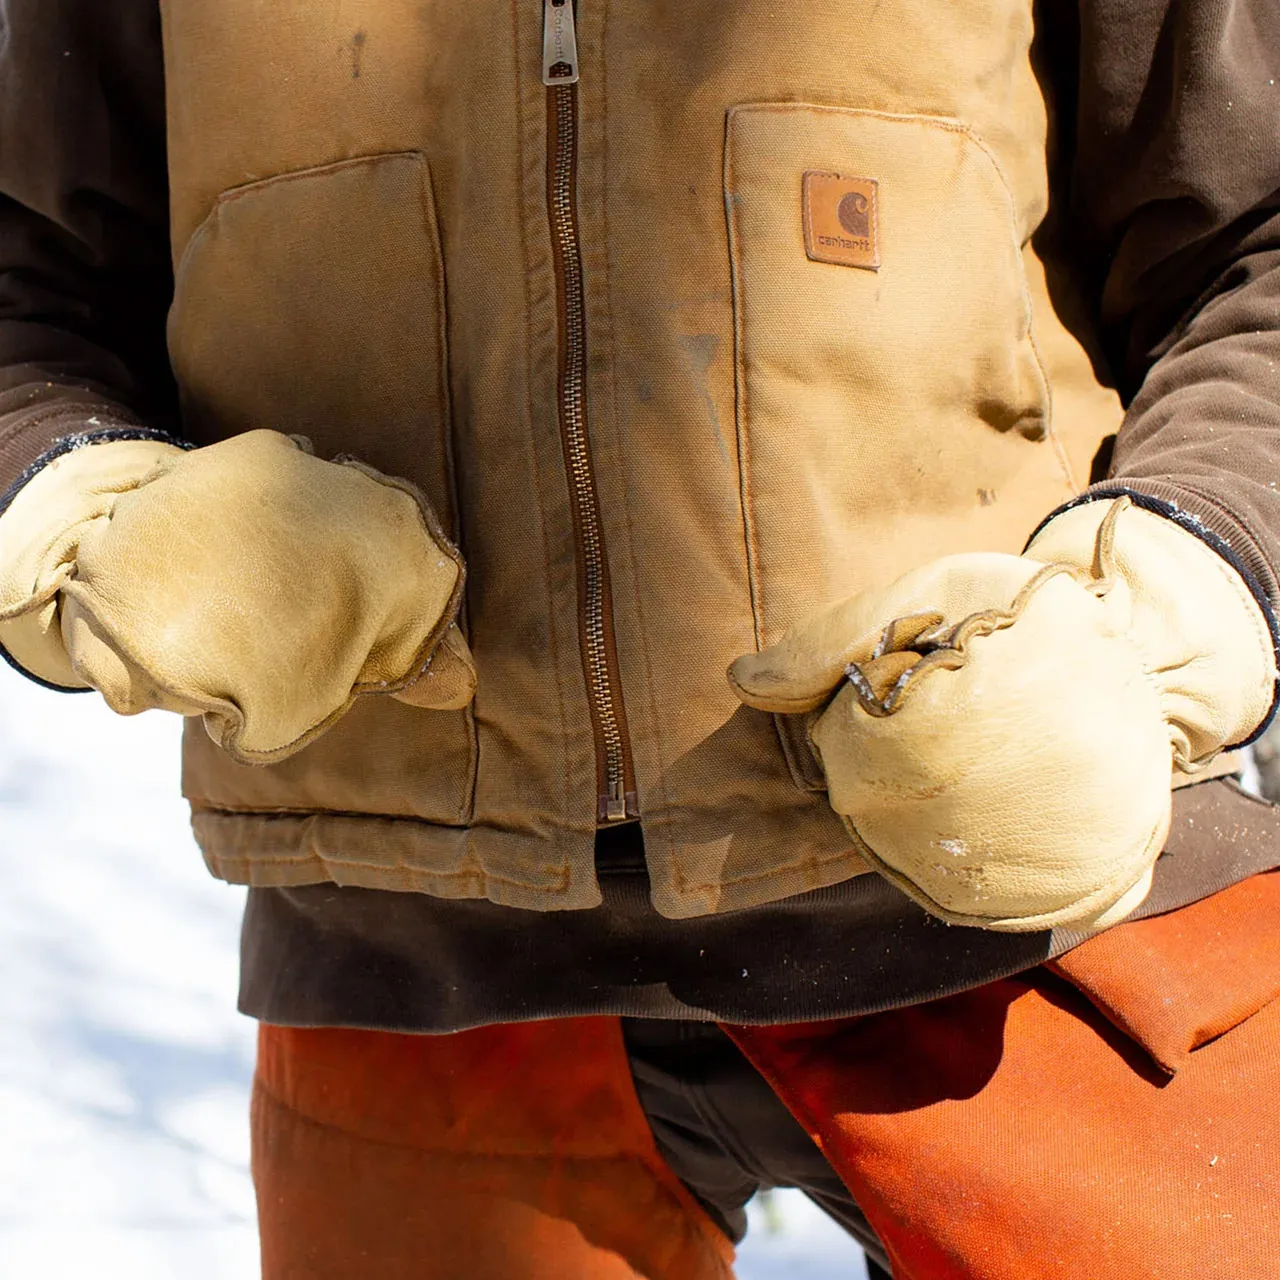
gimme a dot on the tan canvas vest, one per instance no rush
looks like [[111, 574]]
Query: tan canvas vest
[[746, 318]]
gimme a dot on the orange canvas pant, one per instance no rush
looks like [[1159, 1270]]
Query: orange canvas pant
[[1114, 1115]]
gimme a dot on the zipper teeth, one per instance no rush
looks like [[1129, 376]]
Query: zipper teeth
[[572, 406]]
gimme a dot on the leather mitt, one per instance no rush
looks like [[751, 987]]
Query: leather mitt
[[1004, 729], [248, 582]]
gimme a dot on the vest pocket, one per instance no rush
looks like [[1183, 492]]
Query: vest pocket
[[313, 303], [891, 405]]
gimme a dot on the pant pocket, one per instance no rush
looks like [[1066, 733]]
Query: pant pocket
[[1174, 982]]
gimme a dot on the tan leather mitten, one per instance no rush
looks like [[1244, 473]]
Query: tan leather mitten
[[247, 582], [1004, 728]]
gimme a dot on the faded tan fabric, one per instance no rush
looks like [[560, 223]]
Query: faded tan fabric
[[731, 379], [1176, 298], [247, 583], [1001, 741]]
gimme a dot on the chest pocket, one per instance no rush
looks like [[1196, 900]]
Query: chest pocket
[[891, 402]]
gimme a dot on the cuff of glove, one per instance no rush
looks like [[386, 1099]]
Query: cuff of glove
[[96, 431], [41, 407], [34, 518], [1206, 629]]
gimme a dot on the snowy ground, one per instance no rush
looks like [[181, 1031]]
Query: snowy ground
[[124, 1067]]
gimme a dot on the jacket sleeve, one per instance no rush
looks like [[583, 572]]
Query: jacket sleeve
[[85, 279], [1173, 191]]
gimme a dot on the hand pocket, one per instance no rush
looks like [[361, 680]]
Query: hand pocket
[[265, 331]]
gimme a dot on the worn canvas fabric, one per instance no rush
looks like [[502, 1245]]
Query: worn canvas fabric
[[489, 1154], [859, 421], [1122, 1122]]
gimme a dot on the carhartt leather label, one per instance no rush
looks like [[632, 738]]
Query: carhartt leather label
[[841, 220]]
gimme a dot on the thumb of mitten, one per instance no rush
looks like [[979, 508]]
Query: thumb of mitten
[[809, 663], [788, 677], [797, 674]]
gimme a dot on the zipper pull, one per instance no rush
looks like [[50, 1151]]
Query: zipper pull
[[559, 43], [613, 804]]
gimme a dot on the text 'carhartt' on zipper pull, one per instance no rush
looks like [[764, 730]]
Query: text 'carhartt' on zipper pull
[[559, 43]]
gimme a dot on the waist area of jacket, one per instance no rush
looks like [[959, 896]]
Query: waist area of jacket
[[319, 955]]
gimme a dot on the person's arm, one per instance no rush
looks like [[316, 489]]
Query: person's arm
[[1172, 133], [85, 277]]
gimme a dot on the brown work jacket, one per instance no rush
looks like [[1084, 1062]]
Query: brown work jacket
[[688, 317]]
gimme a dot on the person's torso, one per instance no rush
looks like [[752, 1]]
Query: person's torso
[[747, 318]]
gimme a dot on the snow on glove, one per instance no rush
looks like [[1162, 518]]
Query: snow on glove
[[1003, 737], [247, 582]]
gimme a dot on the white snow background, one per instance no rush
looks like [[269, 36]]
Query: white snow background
[[124, 1067]]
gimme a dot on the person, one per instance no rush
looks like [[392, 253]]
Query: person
[[431, 402]]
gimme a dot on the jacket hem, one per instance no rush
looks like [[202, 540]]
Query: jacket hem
[[676, 895], [403, 855]]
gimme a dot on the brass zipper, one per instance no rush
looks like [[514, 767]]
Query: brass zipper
[[615, 785]]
